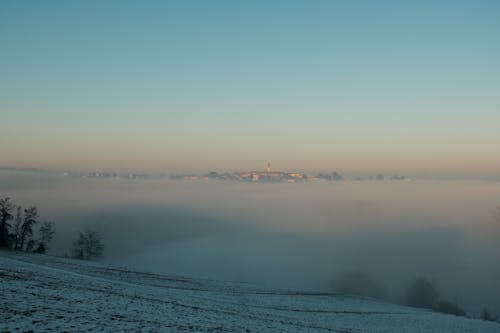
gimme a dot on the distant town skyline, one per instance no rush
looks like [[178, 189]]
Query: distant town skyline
[[357, 86]]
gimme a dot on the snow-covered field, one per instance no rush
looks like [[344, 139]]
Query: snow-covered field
[[45, 293]]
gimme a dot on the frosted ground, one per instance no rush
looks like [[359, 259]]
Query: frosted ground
[[45, 293]]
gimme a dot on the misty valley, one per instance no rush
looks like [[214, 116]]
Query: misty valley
[[424, 243]]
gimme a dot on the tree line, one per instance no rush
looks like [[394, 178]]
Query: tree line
[[421, 293], [17, 233], [17, 228]]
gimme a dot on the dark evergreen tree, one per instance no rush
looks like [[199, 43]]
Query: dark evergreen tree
[[6, 208]]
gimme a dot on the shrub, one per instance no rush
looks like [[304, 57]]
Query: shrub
[[422, 294], [487, 315], [88, 245]]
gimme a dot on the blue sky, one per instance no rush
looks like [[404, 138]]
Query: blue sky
[[388, 86]]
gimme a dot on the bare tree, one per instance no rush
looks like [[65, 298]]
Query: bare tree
[[30, 219], [88, 245], [6, 208], [18, 222], [78, 250], [46, 233], [30, 245]]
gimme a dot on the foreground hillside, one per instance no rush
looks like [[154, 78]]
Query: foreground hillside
[[44, 293]]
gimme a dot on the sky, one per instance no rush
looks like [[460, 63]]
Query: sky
[[355, 86]]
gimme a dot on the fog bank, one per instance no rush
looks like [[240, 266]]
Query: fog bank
[[284, 235]]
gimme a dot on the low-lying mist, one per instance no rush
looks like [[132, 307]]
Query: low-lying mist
[[285, 235]]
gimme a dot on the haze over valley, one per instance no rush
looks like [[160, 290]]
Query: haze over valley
[[285, 235]]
